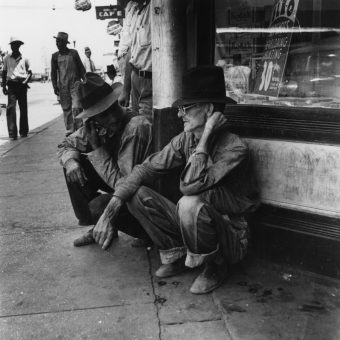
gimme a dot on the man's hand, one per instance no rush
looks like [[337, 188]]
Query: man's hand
[[92, 134], [74, 172], [104, 230], [56, 91], [4, 90], [214, 121]]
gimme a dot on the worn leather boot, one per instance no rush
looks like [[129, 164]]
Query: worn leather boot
[[171, 269], [211, 277]]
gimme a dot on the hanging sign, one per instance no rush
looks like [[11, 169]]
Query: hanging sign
[[113, 27], [109, 12], [273, 62]]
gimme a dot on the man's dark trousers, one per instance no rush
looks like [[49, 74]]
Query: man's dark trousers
[[17, 92], [88, 204]]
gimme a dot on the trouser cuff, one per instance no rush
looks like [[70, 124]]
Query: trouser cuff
[[172, 255], [194, 260]]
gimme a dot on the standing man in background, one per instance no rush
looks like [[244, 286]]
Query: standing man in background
[[126, 34], [88, 62], [15, 75], [138, 67], [66, 69]]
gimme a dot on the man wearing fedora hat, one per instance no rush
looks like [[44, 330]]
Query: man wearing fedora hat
[[15, 75], [102, 153], [66, 69], [208, 226]]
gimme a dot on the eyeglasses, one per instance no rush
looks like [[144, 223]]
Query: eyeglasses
[[183, 109]]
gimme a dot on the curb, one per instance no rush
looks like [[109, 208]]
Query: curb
[[8, 146]]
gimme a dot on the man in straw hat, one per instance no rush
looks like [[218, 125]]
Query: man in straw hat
[[102, 153], [208, 226], [66, 69], [15, 75]]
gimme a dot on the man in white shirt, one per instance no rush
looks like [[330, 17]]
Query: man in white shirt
[[88, 62], [138, 67], [15, 75]]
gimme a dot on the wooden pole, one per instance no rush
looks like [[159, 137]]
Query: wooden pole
[[168, 27]]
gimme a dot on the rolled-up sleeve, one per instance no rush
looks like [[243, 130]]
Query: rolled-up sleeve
[[202, 171]]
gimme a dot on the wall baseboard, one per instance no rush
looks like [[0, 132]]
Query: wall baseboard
[[308, 241]]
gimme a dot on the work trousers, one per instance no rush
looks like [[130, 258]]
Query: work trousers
[[17, 92], [193, 228], [141, 95], [88, 204], [71, 108]]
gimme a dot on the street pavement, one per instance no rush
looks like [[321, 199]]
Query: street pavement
[[52, 290], [42, 108]]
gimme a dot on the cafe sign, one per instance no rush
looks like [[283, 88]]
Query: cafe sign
[[273, 62], [109, 12]]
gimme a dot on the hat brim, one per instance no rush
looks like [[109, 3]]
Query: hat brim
[[61, 39], [17, 41], [187, 101], [103, 104]]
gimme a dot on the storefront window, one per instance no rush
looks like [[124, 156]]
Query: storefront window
[[280, 52]]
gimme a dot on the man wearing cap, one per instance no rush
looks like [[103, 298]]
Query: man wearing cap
[[15, 75], [102, 153], [66, 69], [88, 62], [208, 226]]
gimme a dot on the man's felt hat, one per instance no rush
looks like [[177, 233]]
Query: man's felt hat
[[62, 36], [96, 95], [203, 84], [87, 49], [15, 39]]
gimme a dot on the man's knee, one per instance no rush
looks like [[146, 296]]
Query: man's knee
[[139, 197], [187, 209]]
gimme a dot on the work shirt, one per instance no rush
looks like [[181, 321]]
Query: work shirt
[[126, 33], [89, 65], [116, 158], [141, 54], [223, 177], [17, 68], [66, 69]]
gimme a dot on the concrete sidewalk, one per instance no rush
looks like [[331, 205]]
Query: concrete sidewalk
[[51, 290]]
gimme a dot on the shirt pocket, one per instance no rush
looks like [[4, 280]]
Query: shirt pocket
[[144, 36]]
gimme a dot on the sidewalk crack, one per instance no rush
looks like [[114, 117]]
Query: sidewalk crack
[[223, 317], [157, 298]]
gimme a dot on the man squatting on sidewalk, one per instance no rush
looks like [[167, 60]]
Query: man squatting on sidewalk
[[102, 153], [208, 226]]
